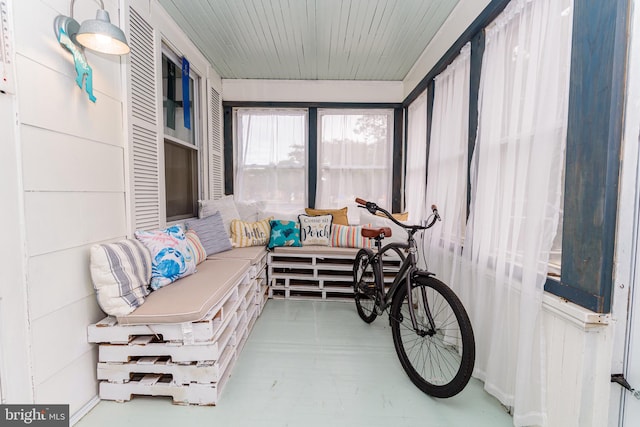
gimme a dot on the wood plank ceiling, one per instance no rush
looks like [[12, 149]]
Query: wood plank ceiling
[[311, 39]]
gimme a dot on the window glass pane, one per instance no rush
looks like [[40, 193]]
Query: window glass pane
[[354, 157], [181, 139], [181, 181], [271, 147], [173, 101]]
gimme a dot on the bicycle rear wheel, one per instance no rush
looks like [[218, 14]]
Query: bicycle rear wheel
[[364, 286], [439, 359]]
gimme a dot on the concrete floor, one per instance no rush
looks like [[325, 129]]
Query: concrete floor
[[313, 363]]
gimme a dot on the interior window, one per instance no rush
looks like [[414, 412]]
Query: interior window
[[354, 157], [181, 141], [271, 157]]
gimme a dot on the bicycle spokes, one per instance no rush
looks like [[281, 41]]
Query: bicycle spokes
[[433, 337], [364, 286]]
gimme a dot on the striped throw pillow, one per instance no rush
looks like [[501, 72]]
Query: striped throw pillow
[[196, 246], [120, 273], [245, 234], [211, 232], [348, 236]]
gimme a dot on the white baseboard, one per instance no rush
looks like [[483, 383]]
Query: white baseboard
[[84, 410]]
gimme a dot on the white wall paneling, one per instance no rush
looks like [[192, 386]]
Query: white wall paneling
[[72, 384], [65, 108], [312, 91], [63, 220], [60, 337], [15, 372], [51, 289], [50, 162], [578, 344]]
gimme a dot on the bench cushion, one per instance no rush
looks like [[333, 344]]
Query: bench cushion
[[251, 253], [191, 298]]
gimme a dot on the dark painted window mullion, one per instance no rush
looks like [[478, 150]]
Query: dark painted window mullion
[[431, 92], [396, 190], [228, 150], [477, 51], [312, 156], [405, 147]]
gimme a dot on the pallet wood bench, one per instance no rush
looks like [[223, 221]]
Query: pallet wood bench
[[184, 340], [316, 272]]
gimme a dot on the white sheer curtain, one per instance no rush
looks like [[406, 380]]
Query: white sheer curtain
[[271, 157], [516, 191], [354, 158], [416, 173], [447, 172]]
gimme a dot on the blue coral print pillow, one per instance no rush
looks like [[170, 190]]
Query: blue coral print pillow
[[171, 255], [284, 233]]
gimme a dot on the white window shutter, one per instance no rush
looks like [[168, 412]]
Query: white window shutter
[[216, 156], [143, 123]]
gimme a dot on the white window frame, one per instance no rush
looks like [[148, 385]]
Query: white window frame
[[198, 94]]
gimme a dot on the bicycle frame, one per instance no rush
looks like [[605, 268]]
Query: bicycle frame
[[406, 265], [407, 269]]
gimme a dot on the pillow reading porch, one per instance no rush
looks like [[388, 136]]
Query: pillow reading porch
[[315, 230]]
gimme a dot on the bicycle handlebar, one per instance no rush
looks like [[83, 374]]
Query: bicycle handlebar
[[373, 208]]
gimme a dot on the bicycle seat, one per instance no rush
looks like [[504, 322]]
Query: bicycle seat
[[372, 233]]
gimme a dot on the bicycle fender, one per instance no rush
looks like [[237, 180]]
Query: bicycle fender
[[423, 273], [369, 251]]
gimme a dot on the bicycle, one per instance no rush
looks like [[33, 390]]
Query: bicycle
[[431, 330]]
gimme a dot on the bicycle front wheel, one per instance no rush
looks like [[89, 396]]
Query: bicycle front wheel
[[439, 355], [364, 286]]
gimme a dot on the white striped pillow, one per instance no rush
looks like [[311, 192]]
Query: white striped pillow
[[120, 272], [349, 236]]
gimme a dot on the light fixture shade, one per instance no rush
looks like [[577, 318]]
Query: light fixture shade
[[102, 36]]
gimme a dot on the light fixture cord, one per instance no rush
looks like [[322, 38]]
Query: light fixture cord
[[73, 1]]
